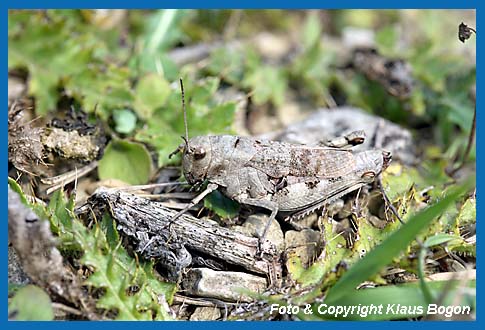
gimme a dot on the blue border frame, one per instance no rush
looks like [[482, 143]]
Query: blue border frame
[[268, 4], [342, 4]]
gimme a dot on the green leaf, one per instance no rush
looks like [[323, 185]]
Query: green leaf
[[151, 92], [161, 136], [125, 121], [386, 39], [306, 277], [295, 267], [399, 180], [16, 187], [205, 116], [312, 70], [30, 303], [162, 31], [441, 238], [60, 51], [391, 247], [113, 269], [36, 48], [61, 208], [102, 88], [227, 63], [126, 161], [117, 272], [268, 84], [130, 286], [468, 212], [221, 205], [44, 87], [109, 228], [311, 30], [460, 110], [334, 248]]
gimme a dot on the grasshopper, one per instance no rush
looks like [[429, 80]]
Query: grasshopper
[[281, 177]]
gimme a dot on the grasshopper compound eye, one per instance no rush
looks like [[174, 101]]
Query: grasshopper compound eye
[[199, 153]]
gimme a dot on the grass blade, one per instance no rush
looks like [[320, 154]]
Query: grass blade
[[391, 247], [161, 30], [394, 298]]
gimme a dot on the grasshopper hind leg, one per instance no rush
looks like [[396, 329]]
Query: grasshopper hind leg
[[265, 204], [267, 250]]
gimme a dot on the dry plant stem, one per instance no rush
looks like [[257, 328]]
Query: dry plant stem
[[469, 145], [459, 277], [60, 181], [173, 195], [388, 202], [466, 275], [66, 309], [471, 137], [184, 207], [232, 24], [151, 186], [203, 302]]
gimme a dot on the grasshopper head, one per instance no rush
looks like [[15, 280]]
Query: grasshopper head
[[196, 158], [370, 164]]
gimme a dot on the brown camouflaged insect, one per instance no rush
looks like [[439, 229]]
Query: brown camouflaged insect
[[284, 178]]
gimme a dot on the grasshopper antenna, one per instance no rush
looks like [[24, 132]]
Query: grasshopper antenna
[[185, 115], [186, 137]]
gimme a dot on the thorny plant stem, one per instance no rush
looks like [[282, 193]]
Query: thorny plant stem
[[422, 249], [471, 137], [388, 202]]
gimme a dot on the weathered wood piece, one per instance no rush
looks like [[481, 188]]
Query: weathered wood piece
[[150, 227]]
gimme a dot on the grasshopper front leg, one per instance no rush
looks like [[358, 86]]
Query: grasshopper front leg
[[210, 188]]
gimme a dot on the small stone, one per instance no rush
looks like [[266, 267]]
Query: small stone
[[344, 212], [306, 222], [181, 311], [353, 37], [377, 222], [271, 45], [455, 266], [16, 88], [205, 314], [333, 208], [227, 286], [254, 226], [290, 112], [305, 244]]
